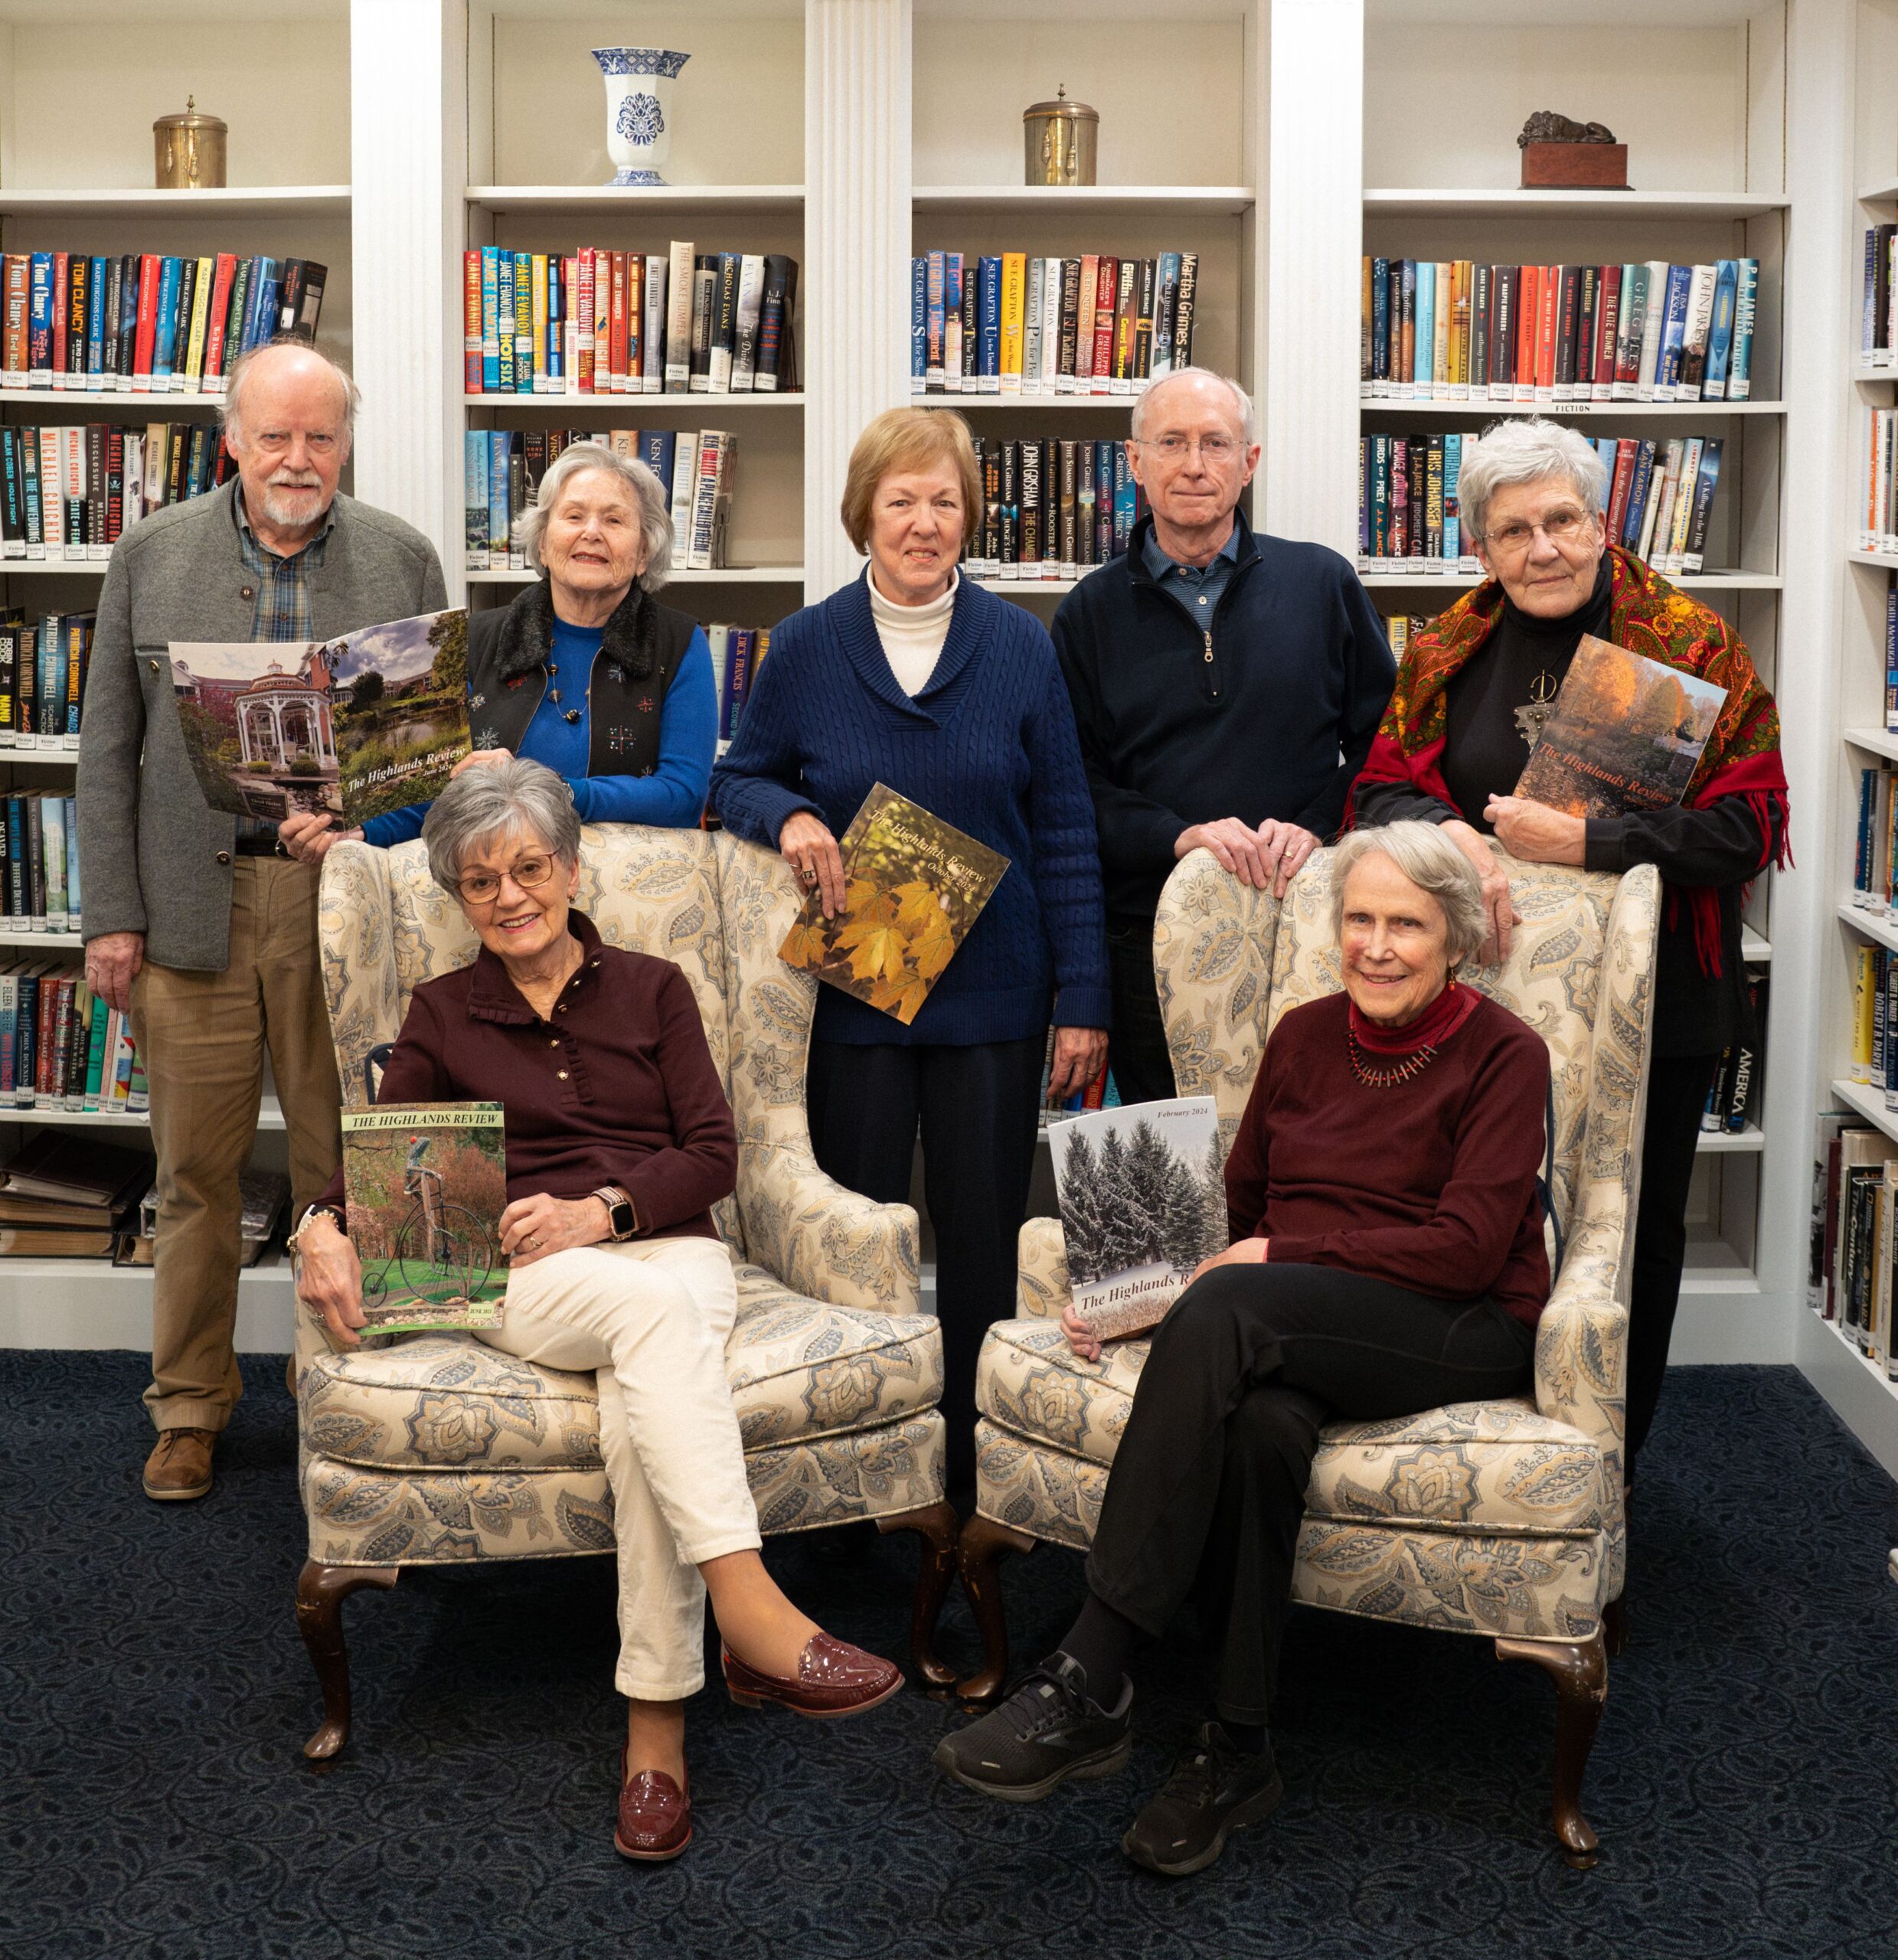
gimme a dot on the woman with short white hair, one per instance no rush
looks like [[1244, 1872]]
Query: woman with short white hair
[[585, 671], [1472, 693], [1386, 1256]]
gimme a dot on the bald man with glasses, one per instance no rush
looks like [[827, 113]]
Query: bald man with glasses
[[1226, 685]]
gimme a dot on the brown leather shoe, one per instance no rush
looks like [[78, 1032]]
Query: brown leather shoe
[[655, 1815], [834, 1679], [179, 1466]]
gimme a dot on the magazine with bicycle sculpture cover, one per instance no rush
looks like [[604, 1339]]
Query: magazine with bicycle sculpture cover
[[425, 1184]]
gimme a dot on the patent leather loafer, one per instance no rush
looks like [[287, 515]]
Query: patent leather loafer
[[833, 1678], [655, 1816]]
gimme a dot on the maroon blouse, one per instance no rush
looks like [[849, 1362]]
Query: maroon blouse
[[1427, 1183], [615, 1087]]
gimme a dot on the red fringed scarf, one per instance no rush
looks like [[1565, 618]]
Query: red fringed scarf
[[1647, 616]]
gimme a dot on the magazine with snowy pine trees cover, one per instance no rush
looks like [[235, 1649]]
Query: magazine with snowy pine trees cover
[[1142, 1190], [913, 886]]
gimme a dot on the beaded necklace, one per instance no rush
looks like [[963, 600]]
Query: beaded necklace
[[1375, 1078]]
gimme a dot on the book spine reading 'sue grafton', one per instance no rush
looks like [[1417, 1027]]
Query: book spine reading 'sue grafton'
[[1660, 503]]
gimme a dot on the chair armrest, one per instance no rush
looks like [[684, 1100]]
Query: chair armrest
[[1582, 1372], [1041, 1286], [358, 953], [830, 1244]]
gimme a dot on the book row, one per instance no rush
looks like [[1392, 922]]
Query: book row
[[1853, 1234], [146, 324], [1103, 1092], [1874, 863], [1010, 324], [1878, 482], [1878, 323], [1738, 1090], [1660, 501], [737, 653], [66, 493], [1053, 507], [1455, 330], [43, 668], [503, 468], [61, 1047], [596, 322], [39, 861]]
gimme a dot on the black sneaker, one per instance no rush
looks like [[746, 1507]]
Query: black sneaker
[[1215, 1790], [1046, 1730]]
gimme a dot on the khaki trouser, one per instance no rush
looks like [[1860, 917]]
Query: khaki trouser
[[652, 1319], [202, 1037]]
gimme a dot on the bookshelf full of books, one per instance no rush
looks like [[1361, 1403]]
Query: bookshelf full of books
[[121, 310]]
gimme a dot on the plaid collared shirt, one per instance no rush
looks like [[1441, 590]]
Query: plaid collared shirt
[[283, 603]]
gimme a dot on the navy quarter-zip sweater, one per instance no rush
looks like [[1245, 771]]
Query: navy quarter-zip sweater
[[988, 745], [1268, 714]]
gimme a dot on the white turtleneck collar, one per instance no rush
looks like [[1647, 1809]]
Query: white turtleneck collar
[[912, 636]]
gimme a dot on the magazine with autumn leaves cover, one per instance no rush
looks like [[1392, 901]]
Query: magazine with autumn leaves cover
[[913, 886]]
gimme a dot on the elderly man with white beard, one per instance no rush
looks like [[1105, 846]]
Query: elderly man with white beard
[[197, 924]]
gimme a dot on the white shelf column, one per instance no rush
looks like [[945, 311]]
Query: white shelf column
[[856, 252], [408, 152], [1314, 225]]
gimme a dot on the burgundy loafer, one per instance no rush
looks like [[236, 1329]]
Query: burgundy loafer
[[834, 1679], [655, 1816]]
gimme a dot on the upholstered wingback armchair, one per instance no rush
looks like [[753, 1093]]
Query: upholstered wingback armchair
[[433, 1449], [1500, 1519]]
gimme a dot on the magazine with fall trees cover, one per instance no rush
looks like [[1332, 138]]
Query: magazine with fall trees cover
[[913, 886], [425, 1185], [1625, 733], [1142, 1192], [372, 721]]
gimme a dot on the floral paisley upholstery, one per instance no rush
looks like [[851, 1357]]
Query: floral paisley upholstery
[[435, 1447], [1501, 1518]]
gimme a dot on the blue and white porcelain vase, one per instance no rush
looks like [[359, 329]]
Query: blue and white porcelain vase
[[639, 109]]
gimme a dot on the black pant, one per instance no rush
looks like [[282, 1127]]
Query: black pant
[[1208, 1484], [1676, 1094], [978, 1108], [1137, 1049]]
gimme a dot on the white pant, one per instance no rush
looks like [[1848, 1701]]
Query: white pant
[[652, 1319]]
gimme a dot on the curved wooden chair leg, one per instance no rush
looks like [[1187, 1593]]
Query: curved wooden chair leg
[[977, 1551], [1580, 1671], [937, 1524], [321, 1590]]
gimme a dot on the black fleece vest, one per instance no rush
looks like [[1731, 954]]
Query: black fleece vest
[[640, 653]]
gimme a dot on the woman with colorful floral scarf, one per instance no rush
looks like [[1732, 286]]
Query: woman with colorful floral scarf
[[1472, 692]]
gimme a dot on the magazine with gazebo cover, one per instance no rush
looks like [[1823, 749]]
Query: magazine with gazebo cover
[[1625, 733], [371, 721], [425, 1184], [913, 886], [1142, 1192]]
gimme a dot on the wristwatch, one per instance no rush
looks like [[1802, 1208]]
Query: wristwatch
[[329, 1211], [622, 1220]]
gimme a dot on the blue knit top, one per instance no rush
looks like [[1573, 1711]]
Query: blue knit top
[[988, 746]]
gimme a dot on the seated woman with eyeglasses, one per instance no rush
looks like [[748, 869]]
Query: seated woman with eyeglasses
[[1473, 691], [619, 1142]]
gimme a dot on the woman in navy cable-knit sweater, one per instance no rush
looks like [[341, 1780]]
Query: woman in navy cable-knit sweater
[[912, 677]]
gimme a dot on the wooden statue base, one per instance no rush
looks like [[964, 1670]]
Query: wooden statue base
[[1574, 166]]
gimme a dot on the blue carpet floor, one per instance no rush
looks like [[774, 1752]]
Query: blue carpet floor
[[153, 1694]]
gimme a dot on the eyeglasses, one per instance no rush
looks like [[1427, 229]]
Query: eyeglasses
[[483, 887], [1559, 527], [1213, 450]]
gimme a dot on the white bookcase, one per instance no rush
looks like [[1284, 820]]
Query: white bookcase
[[81, 85], [1279, 138]]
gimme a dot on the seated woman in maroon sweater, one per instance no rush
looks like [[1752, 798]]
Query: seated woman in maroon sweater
[[619, 1141], [1387, 1257]]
